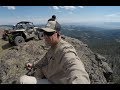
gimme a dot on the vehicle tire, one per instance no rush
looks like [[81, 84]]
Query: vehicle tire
[[18, 40], [12, 43], [5, 37], [40, 35]]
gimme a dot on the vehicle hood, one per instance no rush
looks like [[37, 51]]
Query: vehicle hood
[[17, 30]]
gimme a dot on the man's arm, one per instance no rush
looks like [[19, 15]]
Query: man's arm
[[74, 69], [35, 68], [39, 63]]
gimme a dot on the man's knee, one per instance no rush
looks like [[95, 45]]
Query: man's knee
[[28, 80]]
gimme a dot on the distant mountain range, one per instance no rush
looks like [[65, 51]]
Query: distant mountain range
[[90, 32], [101, 41], [105, 25], [92, 25], [11, 26], [6, 26]]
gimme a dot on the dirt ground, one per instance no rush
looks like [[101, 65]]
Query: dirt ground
[[4, 45]]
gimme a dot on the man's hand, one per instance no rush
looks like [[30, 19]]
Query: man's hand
[[29, 66]]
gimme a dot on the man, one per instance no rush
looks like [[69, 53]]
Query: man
[[61, 64], [53, 18]]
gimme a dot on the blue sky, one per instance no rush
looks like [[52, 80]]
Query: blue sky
[[65, 14]]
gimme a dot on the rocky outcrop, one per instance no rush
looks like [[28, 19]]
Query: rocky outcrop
[[89, 60], [12, 64]]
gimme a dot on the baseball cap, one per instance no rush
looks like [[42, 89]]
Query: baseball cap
[[52, 26]]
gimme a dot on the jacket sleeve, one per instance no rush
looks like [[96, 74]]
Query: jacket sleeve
[[38, 67], [40, 63], [74, 69]]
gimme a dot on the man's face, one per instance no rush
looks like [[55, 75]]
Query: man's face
[[50, 38]]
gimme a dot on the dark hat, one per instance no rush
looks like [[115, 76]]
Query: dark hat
[[53, 16]]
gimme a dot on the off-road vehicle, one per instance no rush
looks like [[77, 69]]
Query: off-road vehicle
[[22, 31]]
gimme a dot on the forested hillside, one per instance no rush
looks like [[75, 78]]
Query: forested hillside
[[99, 40]]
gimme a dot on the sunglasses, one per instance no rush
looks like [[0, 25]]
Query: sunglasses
[[48, 33]]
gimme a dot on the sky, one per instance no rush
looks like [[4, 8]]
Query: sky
[[64, 14]]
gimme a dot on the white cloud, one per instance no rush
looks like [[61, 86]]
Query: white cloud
[[66, 7], [113, 15], [80, 6], [55, 7], [10, 7]]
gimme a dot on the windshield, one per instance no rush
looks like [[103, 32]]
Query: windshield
[[24, 26]]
